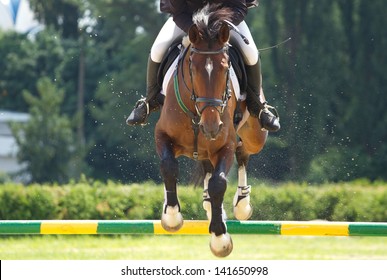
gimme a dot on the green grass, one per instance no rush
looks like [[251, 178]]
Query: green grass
[[131, 247]]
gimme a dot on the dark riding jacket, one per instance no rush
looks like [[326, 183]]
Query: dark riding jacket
[[182, 10]]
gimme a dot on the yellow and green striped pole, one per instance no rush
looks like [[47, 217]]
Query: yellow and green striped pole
[[191, 227]]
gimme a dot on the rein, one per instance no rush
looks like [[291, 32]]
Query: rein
[[209, 102]]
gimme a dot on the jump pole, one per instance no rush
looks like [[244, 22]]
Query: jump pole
[[192, 227]]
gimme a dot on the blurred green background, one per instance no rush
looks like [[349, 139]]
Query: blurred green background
[[80, 75]]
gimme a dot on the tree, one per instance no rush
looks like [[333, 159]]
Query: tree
[[125, 31], [24, 61], [17, 72], [63, 15], [46, 140], [331, 88], [364, 115]]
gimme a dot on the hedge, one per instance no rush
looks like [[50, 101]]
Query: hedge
[[332, 202]]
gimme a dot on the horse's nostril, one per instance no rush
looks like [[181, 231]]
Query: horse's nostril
[[201, 126], [220, 126]]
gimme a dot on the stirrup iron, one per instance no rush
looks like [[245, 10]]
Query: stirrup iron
[[143, 100], [266, 109]]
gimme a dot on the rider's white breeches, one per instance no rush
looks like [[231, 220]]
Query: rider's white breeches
[[170, 33], [249, 52]]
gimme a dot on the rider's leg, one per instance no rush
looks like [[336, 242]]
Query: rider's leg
[[149, 103], [256, 102], [255, 99], [168, 34]]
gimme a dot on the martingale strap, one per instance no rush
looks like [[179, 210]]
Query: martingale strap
[[195, 119], [178, 95]]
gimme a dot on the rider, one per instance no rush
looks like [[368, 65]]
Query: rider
[[177, 27]]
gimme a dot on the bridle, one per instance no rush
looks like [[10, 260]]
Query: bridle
[[219, 104], [210, 102]]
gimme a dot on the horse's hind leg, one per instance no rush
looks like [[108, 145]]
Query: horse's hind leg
[[252, 141], [171, 218], [207, 170], [241, 202]]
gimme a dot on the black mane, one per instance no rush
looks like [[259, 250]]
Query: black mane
[[210, 18]]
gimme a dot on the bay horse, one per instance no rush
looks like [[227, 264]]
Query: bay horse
[[197, 121]]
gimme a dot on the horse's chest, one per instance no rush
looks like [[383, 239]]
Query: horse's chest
[[184, 144]]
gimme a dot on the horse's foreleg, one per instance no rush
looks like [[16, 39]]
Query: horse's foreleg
[[241, 202], [207, 199], [216, 189], [208, 169], [171, 218], [221, 243]]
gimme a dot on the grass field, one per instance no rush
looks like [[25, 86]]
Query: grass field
[[136, 247]]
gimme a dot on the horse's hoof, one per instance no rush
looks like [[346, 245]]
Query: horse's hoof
[[243, 210], [221, 246], [241, 202], [171, 219]]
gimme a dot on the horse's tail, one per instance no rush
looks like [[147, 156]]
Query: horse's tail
[[201, 168], [198, 174]]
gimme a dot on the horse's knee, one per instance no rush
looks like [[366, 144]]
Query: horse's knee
[[169, 169], [217, 186]]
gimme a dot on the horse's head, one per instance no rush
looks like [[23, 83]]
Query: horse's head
[[209, 68]]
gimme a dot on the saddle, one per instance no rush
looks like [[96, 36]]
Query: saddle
[[235, 58]]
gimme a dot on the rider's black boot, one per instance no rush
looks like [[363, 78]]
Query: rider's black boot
[[149, 103], [256, 103]]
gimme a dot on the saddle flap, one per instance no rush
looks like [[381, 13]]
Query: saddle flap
[[239, 67], [168, 59]]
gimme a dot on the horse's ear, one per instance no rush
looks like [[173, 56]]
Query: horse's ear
[[224, 33], [193, 34]]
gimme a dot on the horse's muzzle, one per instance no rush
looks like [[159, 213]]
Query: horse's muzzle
[[211, 131]]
